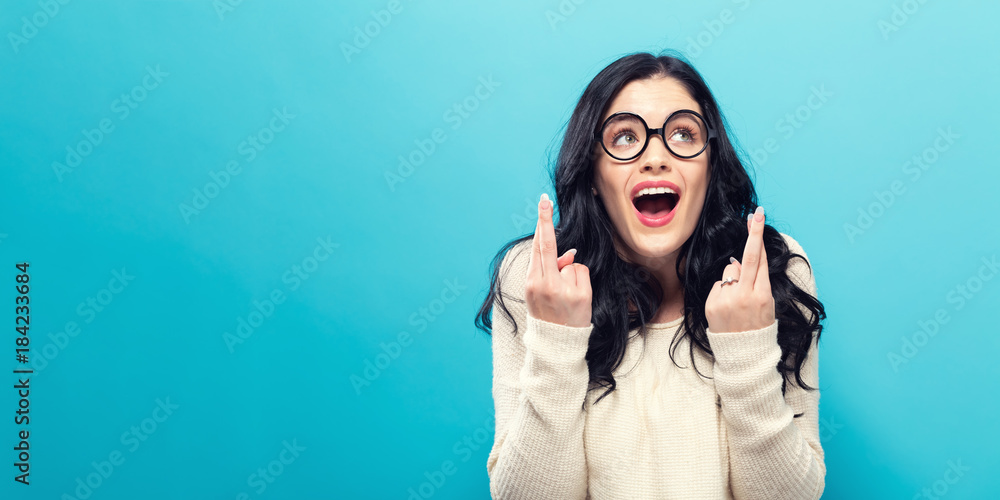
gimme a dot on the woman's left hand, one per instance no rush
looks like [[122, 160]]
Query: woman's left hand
[[746, 304]]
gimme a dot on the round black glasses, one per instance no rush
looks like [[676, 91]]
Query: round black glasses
[[625, 135]]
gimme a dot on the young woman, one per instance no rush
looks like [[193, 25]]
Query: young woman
[[660, 248]]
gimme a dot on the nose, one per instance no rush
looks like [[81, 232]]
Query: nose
[[656, 156]]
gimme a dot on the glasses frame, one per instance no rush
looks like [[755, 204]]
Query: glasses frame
[[598, 134]]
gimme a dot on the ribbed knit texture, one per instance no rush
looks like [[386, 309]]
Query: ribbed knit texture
[[665, 432]]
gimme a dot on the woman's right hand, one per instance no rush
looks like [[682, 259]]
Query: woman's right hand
[[557, 290]]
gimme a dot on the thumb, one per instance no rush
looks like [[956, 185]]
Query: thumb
[[736, 263], [566, 259]]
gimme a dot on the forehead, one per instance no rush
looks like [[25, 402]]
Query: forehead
[[653, 99]]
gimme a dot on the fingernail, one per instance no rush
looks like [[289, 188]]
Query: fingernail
[[759, 214], [732, 260], [545, 197], [749, 216], [572, 251]]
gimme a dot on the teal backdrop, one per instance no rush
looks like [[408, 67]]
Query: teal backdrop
[[257, 233]]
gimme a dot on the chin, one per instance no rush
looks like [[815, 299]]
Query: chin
[[654, 246]]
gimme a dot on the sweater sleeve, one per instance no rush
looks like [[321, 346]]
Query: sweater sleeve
[[540, 381], [771, 454]]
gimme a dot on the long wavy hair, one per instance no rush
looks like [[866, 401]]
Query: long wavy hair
[[625, 297]]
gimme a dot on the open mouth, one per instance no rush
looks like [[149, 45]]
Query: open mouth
[[655, 203]]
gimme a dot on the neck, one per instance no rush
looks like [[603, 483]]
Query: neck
[[663, 269]]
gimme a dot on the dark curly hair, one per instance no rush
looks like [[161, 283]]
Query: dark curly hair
[[624, 295]]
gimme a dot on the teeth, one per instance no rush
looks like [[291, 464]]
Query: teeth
[[658, 190]]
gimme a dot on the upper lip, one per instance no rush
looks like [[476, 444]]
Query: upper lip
[[653, 184]]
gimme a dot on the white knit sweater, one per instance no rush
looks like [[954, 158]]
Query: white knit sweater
[[661, 433]]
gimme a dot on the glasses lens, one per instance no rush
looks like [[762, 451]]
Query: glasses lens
[[624, 136], [685, 134]]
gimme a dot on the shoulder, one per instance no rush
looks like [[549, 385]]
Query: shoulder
[[799, 268], [794, 248], [517, 256], [514, 270]]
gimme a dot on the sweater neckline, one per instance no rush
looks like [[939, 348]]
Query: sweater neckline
[[665, 326]]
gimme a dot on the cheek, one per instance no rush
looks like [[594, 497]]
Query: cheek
[[698, 186], [609, 185]]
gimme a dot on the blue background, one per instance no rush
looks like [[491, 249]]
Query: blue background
[[395, 248]]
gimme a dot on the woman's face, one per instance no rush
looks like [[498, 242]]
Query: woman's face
[[642, 226]]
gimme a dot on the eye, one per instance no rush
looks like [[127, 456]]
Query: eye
[[682, 135], [624, 138]]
